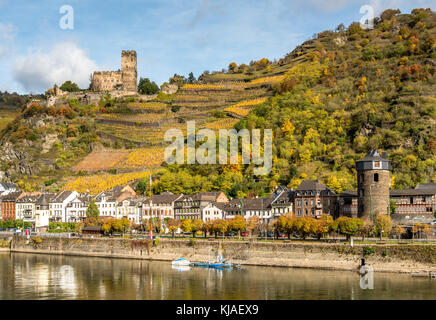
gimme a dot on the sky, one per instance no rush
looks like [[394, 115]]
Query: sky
[[41, 43]]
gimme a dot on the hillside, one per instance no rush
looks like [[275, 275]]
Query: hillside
[[328, 101]]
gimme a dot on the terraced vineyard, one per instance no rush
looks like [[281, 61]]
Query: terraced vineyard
[[217, 101]]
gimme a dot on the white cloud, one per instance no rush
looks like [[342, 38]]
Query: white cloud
[[7, 36], [65, 61]]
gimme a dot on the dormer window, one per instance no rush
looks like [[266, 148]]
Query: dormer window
[[377, 164]]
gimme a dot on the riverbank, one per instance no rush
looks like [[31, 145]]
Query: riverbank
[[383, 258]]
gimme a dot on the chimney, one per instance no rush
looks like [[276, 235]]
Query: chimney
[[384, 155]]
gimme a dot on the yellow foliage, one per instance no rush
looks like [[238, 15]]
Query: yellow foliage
[[101, 182], [202, 87]]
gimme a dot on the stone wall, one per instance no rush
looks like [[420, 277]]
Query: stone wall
[[106, 80], [387, 258]]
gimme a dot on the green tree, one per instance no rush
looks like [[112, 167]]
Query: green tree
[[347, 226], [92, 210], [392, 206], [69, 86], [191, 78], [145, 86]]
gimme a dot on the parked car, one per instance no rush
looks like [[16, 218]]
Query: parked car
[[244, 234], [231, 234], [2, 229], [433, 223], [282, 235]]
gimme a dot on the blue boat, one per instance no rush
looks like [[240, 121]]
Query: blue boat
[[216, 265], [201, 264]]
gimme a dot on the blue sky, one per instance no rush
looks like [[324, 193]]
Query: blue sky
[[169, 36]]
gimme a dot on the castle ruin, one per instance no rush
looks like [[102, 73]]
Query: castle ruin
[[124, 80]]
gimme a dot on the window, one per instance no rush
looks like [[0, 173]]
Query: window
[[376, 164], [375, 177]]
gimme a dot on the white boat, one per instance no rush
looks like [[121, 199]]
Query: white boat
[[181, 262]]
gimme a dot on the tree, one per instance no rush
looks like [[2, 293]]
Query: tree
[[178, 80], [237, 224], [196, 225], [220, 225], [92, 210], [253, 224], [398, 231], [191, 78], [145, 86], [106, 228], [186, 225], [382, 224], [173, 225], [207, 227], [69, 86], [365, 229], [232, 67], [347, 226], [321, 227], [426, 229], [392, 206], [125, 223]]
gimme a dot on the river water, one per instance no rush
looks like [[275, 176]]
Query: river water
[[37, 276]]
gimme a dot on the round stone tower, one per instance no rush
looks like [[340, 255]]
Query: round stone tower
[[373, 182], [129, 74]]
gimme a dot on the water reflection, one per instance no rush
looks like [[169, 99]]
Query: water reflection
[[31, 276]]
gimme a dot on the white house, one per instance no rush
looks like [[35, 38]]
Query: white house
[[6, 188], [131, 209], [76, 208], [213, 211], [58, 205], [25, 207]]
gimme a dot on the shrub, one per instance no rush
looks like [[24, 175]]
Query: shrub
[[156, 242], [36, 240], [367, 250], [192, 242]]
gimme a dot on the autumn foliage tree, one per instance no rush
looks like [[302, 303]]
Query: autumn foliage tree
[[173, 225], [382, 224], [237, 224]]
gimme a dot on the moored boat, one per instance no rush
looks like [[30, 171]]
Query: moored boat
[[181, 262]]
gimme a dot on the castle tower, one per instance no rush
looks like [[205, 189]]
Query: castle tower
[[129, 74], [373, 182]]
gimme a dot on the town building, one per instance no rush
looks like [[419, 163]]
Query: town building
[[130, 208], [8, 205], [282, 202], [76, 208], [58, 205], [191, 206], [107, 201], [160, 206], [348, 204], [214, 211], [313, 199], [7, 187], [25, 206]]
